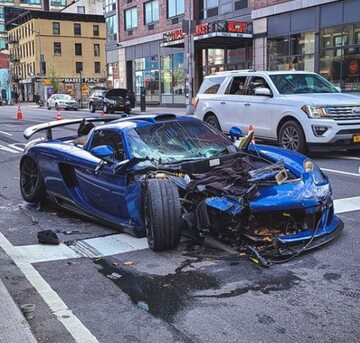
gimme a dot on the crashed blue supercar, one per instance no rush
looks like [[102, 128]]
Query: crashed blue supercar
[[160, 176]]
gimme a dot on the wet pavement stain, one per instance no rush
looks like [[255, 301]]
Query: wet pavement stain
[[331, 276], [161, 295], [265, 286]]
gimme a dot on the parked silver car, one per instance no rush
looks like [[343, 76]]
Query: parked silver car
[[62, 101]]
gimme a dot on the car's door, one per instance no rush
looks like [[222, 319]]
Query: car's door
[[103, 189], [258, 108], [232, 103]]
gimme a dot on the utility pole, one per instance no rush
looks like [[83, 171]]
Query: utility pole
[[189, 58]]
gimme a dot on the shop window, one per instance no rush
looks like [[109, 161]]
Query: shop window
[[151, 10], [60, 3], [78, 67], [30, 2], [96, 31], [77, 29], [96, 49], [56, 28], [57, 48], [2, 28], [175, 8], [78, 49], [147, 75], [216, 56], [131, 18]]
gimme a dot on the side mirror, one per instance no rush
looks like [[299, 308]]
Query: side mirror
[[263, 91], [102, 151], [235, 133]]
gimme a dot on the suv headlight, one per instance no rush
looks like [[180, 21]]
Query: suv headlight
[[314, 112]]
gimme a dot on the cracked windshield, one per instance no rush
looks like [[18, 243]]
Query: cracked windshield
[[176, 141]]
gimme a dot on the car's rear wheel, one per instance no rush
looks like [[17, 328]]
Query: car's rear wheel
[[92, 108], [162, 212], [292, 137], [213, 121], [32, 185]]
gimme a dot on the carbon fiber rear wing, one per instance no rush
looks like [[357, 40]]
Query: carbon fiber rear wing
[[64, 122]]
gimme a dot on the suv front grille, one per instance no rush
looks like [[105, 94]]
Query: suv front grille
[[343, 112]]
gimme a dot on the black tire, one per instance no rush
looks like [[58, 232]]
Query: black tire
[[92, 108], [213, 121], [48, 107], [56, 106], [292, 137], [162, 212], [105, 108], [32, 185]]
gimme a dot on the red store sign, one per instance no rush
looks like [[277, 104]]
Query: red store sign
[[173, 35], [236, 26], [202, 29]]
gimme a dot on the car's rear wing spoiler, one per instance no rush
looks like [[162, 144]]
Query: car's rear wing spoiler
[[64, 122]]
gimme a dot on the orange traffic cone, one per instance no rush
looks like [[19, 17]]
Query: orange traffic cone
[[19, 115], [251, 129], [58, 115]]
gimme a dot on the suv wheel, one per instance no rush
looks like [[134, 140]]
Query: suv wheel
[[213, 121], [291, 136], [92, 108]]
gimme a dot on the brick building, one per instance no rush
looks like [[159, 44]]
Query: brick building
[[150, 46]]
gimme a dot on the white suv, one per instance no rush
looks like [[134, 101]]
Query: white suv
[[299, 110]]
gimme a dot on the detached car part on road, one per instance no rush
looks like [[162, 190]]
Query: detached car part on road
[[162, 175]]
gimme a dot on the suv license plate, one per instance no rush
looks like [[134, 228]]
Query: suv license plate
[[356, 139]]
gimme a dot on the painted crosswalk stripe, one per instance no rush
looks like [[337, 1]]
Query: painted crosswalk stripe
[[339, 172], [347, 205], [74, 326]]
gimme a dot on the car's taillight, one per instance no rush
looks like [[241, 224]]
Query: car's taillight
[[195, 102]]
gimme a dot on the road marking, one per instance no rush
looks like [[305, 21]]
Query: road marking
[[347, 204], [339, 172], [17, 146], [7, 149], [75, 327], [346, 157], [5, 133]]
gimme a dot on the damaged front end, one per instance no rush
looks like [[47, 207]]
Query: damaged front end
[[269, 213]]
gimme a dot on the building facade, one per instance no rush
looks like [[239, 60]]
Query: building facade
[[49, 49], [49, 5], [320, 35], [167, 46]]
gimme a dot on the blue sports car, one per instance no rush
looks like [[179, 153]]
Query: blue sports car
[[160, 176]]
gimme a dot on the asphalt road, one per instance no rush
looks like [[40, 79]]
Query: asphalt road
[[135, 295]]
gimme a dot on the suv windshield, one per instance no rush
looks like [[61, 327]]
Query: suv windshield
[[176, 141], [302, 83]]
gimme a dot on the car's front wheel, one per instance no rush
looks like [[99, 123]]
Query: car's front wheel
[[162, 212], [32, 185], [292, 137], [92, 108], [213, 121]]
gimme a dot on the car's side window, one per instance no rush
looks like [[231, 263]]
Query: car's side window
[[236, 86], [211, 85], [256, 82], [111, 138]]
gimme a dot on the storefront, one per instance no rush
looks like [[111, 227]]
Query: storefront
[[324, 39]]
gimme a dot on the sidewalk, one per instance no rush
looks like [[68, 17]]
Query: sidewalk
[[13, 325]]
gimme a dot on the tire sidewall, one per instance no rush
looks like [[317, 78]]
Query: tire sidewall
[[38, 192], [302, 141]]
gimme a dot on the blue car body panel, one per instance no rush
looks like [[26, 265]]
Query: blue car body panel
[[70, 177]]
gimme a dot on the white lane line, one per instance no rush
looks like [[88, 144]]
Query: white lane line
[[17, 146], [4, 148], [346, 157], [347, 204], [339, 172], [5, 133], [75, 327]]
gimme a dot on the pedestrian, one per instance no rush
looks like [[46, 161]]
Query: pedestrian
[[16, 97]]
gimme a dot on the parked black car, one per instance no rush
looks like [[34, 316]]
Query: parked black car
[[111, 100]]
